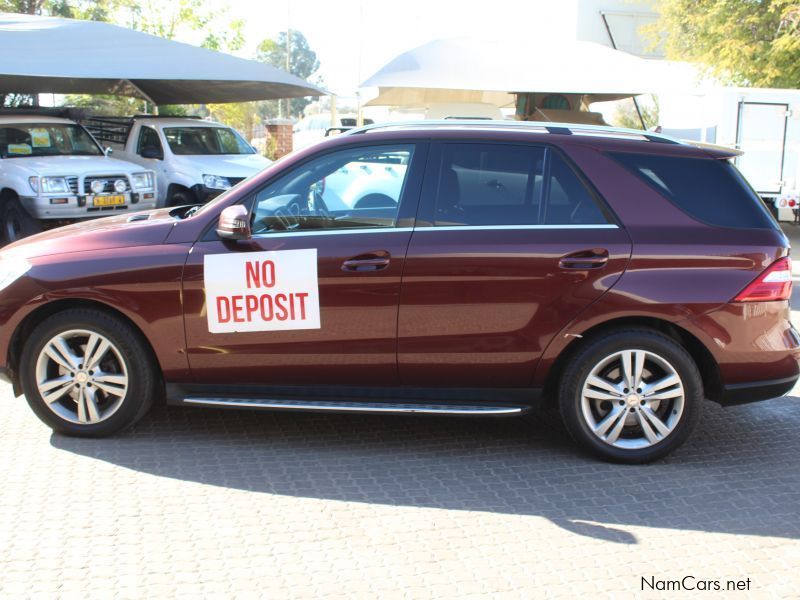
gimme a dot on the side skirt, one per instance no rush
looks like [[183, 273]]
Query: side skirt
[[340, 399]]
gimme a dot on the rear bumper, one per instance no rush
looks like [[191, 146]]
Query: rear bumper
[[744, 393]]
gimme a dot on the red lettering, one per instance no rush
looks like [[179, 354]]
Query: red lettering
[[291, 307], [236, 301], [252, 274], [260, 274], [223, 309], [268, 273], [280, 307], [301, 297], [267, 312], [252, 305]]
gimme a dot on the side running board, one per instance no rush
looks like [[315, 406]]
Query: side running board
[[355, 407]]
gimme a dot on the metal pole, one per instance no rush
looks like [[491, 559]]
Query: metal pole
[[288, 50], [614, 46]]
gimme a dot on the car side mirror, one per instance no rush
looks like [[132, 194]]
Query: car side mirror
[[152, 152], [108, 150], [234, 223]]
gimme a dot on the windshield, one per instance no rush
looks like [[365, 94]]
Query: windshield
[[206, 140], [46, 139]]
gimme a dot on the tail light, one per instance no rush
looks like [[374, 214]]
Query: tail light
[[775, 283]]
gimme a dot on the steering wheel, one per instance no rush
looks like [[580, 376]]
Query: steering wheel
[[320, 208]]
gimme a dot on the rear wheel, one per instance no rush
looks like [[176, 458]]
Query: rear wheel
[[181, 197], [86, 373], [632, 396], [15, 221]]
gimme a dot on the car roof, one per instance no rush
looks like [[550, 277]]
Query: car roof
[[599, 136], [179, 122], [33, 119]]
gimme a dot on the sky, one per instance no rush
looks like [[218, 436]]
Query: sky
[[355, 38]]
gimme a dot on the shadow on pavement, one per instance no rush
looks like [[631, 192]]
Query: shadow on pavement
[[739, 473]]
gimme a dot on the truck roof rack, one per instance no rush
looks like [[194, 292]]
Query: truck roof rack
[[539, 126], [65, 112]]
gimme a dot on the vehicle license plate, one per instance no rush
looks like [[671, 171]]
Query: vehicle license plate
[[108, 200]]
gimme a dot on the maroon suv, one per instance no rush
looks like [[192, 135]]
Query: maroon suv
[[442, 268]]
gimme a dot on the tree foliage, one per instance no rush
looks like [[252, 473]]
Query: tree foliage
[[303, 62], [741, 42]]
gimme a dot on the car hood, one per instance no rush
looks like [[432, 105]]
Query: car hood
[[224, 165], [74, 165], [120, 231]]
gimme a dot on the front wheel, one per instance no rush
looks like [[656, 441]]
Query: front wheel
[[15, 221], [632, 396], [86, 373]]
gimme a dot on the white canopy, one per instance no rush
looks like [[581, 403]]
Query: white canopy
[[66, 56], [517, 66]]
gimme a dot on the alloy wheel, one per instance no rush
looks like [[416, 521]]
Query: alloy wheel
[[81, 376], [632, 399]]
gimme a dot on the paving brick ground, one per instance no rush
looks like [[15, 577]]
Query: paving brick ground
[[205, 503], [202, 503]]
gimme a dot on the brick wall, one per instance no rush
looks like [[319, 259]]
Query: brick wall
[[281, 131]]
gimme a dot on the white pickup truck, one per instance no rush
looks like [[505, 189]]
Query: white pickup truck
[[52, 171], [194, 160]]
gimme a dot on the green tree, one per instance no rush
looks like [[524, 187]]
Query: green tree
[[303, 62], [741, 42], [627, 116], [25, 7]]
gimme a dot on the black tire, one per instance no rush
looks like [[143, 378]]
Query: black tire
[[181, 197], [591, 355], [142, 377], [15, 222]]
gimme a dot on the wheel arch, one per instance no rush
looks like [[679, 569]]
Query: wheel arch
[[709, 370], [8, 193], [27, 325]]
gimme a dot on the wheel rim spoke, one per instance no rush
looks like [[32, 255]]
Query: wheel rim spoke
[[108, 388], [599, 382], [90, 399], [648, 431], [60, 352], [669, 394], [662, 428], [662, 383], [600, 395], [54, 389], [613, 435], [616, 415], [96, 348]]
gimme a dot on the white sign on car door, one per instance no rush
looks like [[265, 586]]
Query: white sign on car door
[[262, 291]]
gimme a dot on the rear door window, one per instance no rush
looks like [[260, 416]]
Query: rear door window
[[485, 185], [709, 190]]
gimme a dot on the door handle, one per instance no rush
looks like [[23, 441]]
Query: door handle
[[374, 261], [584, 259]]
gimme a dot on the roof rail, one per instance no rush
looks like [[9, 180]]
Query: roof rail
[[65, 112], [541, 126]]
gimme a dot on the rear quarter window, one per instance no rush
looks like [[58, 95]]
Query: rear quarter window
[[709, 190]]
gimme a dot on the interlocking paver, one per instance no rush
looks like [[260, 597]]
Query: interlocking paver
[[196, 503]]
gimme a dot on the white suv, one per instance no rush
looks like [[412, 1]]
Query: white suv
[[53, 171]]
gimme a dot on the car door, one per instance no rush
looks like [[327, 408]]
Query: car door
[[336, 214], [149, 141], [510, 244]]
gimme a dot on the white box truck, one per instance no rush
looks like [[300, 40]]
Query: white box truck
[[762, 123]]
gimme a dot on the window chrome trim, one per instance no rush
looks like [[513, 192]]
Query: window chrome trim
[[277, 234], [508, 227]]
